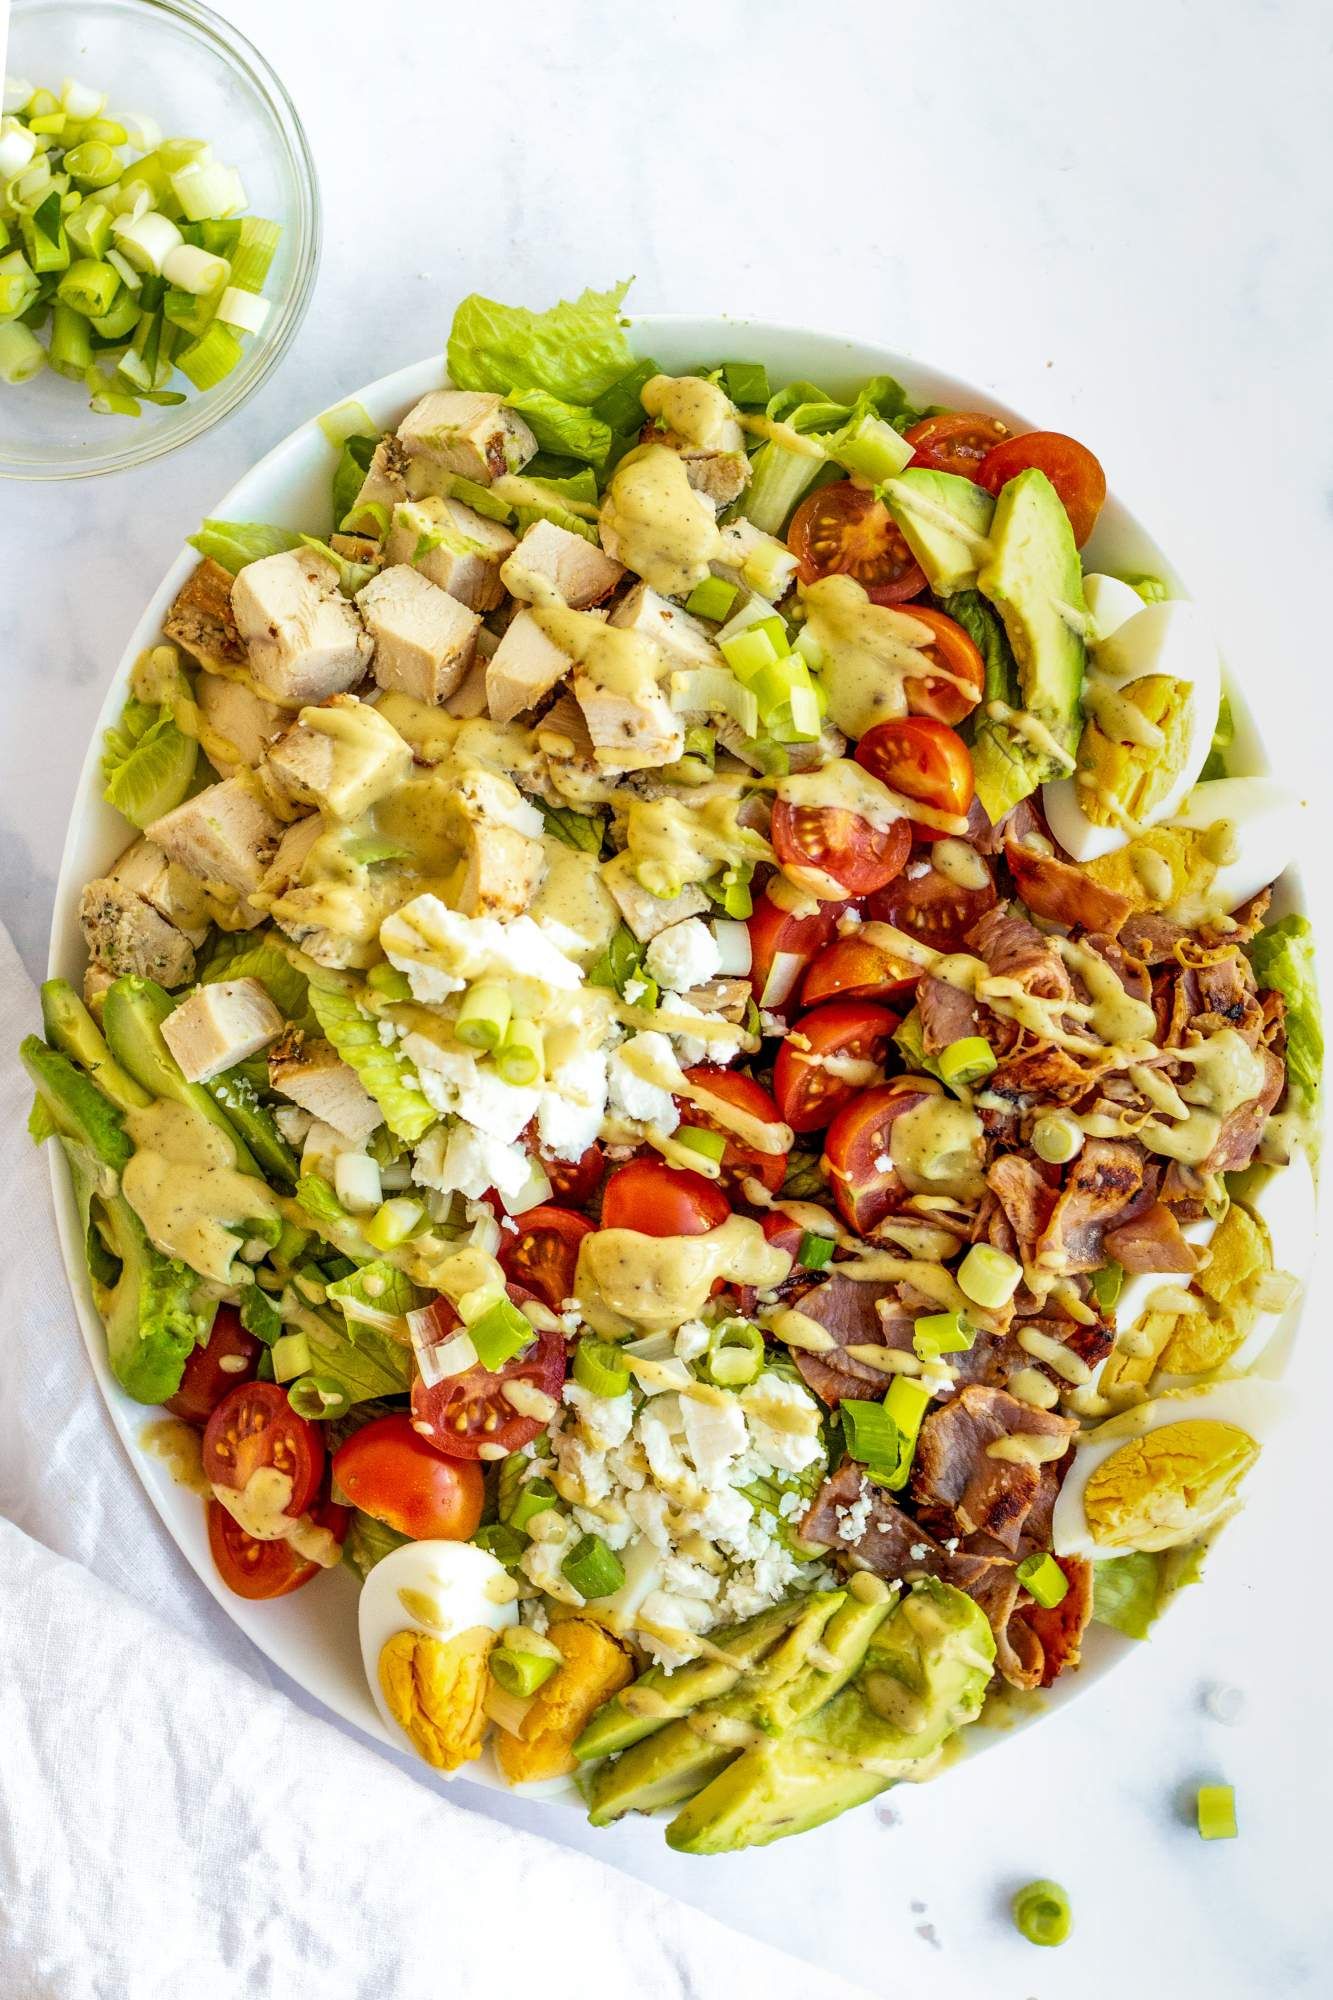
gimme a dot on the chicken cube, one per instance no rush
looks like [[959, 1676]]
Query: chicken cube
[[526, 666], [315, 1076], [96, 979], [343, 758], [287, 863], [124, 934], [242, 723], [468, 700], [384, 485], [303, 639], [220, 1025], [201, 621], [551, 558], [504, 869], [683, 640], [363, 549], [632, 728], [425, 639], [223, 835], [761, 561], [174, 894], [720, 476], [645, 913], [451, 546], [467, 432]]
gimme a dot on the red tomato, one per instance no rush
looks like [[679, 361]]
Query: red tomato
[[923, 759], [782, 945], [843, 530], [255, 1426], [544, 1253], [860, 857], [783, 1232], [847, 1031], [657, 1200], [962, 679], [258, 1569], [575, 1182], [1071, 468], [931, 907], [858, 1138], [230, 1358], [855, 968], [387, 1469], [739, 1161], [955, 441], [461, 1413]]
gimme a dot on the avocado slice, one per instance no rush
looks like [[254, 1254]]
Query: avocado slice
[[1034, 578], [788, 1786], [236, 1096], [946, 523], [132, 1014], [71, 1028]]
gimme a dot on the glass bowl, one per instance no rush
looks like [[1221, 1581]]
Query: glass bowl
[[196, 75]]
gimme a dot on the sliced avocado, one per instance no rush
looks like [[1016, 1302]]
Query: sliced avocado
[[70, 1027], [237, 1098], [1034, 578], [842, 1650], [787, 1786], [946, 522], [80, 1110], [132, 1014]]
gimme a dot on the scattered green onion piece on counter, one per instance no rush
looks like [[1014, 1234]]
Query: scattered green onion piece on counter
[[1041, 1912], [989, 1277], [600, 1368], [518, 1672], [1042, 1577], [1056, 1138], [502, 1541], [746, 382], [703, 1140], [935, 1334], [713, 598], [870, 1433], [1107, 1285], [291, 1357], [21, 354], [521, 1057], [499, 1334], [592, 1568], [966, 1061], [535, 1496], [1216, 1809], [814, 1251], [735, 1354], [483, 1018]]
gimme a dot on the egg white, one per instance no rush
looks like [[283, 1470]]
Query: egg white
[[1267, 821], [1252, 1405], [455, 1577], [1110, 603]]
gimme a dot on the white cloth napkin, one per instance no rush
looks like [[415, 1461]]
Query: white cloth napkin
[[170, 1821]]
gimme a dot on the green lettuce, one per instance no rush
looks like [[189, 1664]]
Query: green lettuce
[[562, 427], [368, 1542], [236, 543], [387, 1075], [260, 1315], [377, 1295], [349, 474], [147, 762], [1283, 958], [575, 829], [620, 962], [549, 366], [1131, 1592], [237, 955], [350, 1362]]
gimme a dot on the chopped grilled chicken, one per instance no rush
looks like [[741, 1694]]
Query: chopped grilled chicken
[[526, 666], [384, 485], [452, 546], [425, 639], [96, 979], [468, 432], [314, 1076], [223, 835], [363, 549], [240, 719], [645, 913], [220, 1025], [201, 621], [727, 998], [125, 934], [504, 868], [173, 893], [632, 728], [551, 558], [468, 700], [342, 758], [681, 638], [304, 641], [296, 843], [719, 475]]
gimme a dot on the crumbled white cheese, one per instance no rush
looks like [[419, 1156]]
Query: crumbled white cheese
[[631, 1094], [783, 1419], [440, 950], [452, 1079], [683, 955], [603, 1420], [853, 1521], [459, 1159], [573, 1105], [692, 1340], [692, 1049]]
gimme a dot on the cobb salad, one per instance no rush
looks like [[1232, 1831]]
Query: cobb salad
[[688, 1066]]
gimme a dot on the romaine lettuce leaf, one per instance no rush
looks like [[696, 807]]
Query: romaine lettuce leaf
[[236, 543], [562, 427], [368, 1541], [349, 1363], [387, 1075], [147, 762], [574, 352], [1002, 760], [575, 829], [377, 1295], [349, 474], [1283, 958], [236, 955], [1131, 1592]]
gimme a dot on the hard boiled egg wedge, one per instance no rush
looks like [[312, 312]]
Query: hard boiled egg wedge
[[1110, 604], [1165, 1472], [428, 1617], [1264, 822], [1143, 746]]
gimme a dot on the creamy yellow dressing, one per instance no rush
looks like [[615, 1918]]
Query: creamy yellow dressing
[[870, 652], [183, 1185], [628, 1280], [847, 786], [653, 520], [696, 410], [673, 842], [260, 1509], [938, 1146]]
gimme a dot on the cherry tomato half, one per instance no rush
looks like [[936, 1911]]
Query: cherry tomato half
[[955, 441], [575, 1182], [739, 1161], [866, 1186], [843, 530], [961, 682], [228, 1359], [256, 1569], [782, 945], [930, 906], [255, 1427], [923, 759], [856, 968], [1071, 468], [544, 1254], [460, 1414], [848, 1036], [860, 857], [657, 1200], [387, 1469]]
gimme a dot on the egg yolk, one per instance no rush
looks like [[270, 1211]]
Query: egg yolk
[[1160, 1490], [434, 1689]]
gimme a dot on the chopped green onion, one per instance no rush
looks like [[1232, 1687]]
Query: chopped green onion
[[110, 402], [989, 1276], [92, 164], [506, 1544], [291, 1357], [735, 1354], [518, 1672], [534, 1497], [1150, 588], [748, 651], [870, 1433], [207, 190], [966, 1061], [600, 1368], [50, 122], [483, 1018], [208, 360], [388, 981], [871, 448], [592, 1568], [713, 599], [1041, 1912], [18, 285], [1056, 1138], [703, 1140], [41, 104], [1042, 1577], [71, 350], [89, 287], [1217, 1812], [746, 382], [393, 1222], [191, 269], [146, 240], [44, 236], [255, 245], [935, 1334], [521, 1058], [907, 1402], [88, 228], [815, 1251], [21, 354], [1107, 1284], [499, 1334]]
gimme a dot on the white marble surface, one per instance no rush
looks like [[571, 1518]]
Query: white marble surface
[[1123, 219]]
